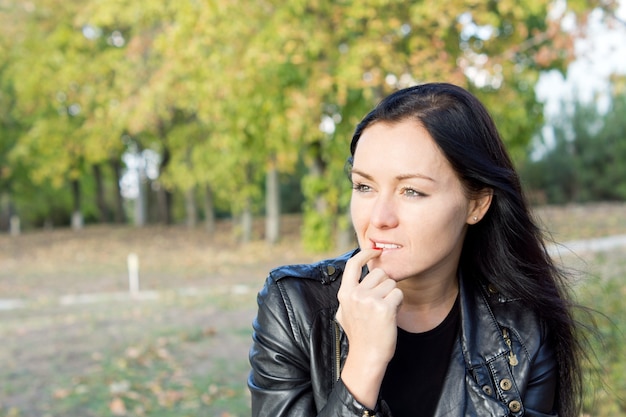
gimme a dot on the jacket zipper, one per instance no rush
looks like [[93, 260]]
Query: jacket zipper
[[337, 352], [512, 357]]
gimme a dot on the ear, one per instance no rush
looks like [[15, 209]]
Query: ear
[[479, 205]]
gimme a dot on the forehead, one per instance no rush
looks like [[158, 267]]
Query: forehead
[[405, 144]]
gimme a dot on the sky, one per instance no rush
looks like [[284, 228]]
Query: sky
[[598, 55]]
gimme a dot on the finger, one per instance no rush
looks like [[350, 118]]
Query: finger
[[395, 297], [374, 278], [381, 288], [352, 274]]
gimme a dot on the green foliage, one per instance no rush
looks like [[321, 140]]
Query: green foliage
[[224, 89], [317, 230], [585, 163], [45, 205]]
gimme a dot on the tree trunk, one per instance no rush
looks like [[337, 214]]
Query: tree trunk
[[190, 207], [272, 204], [164, 205], [119, 214], [318, 170], [141, 203], [5, 211], [9, 220], [100, 200], [77, 215], [209, 213], [14, 226], [246, 223], [164, 197]]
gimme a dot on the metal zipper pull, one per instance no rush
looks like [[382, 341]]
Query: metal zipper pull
[[512, 357]]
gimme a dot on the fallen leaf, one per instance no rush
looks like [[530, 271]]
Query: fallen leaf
[[61, 393], [117, 407]]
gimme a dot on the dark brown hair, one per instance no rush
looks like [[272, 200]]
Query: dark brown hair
[[506, 248]]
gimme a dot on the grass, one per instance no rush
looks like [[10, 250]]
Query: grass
[[183, 350], [159, 377], [178, 356], [604, 289]]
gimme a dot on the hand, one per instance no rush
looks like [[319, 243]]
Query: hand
[[368, 315]]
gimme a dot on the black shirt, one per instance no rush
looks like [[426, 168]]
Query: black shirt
[[414, 377]]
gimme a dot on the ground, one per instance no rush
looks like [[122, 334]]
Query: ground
[[76, 326]]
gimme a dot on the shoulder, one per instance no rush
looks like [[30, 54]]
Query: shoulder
[[513, 312], [305, 286], [295, 296], [525, 325], [323, 272]]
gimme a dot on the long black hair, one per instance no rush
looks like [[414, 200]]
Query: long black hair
[[506, 248]]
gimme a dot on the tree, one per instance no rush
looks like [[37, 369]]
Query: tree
[[584, 161], [63, 96], [10, 128], [353, 53], [599, 150], [233, 94]]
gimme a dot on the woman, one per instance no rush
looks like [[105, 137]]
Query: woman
[[451, 306]]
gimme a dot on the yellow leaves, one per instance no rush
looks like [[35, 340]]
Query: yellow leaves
[[61, 393], [215, 392], [167, 398], [254, 78]]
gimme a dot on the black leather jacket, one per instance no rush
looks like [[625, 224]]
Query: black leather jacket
[[501, 365]]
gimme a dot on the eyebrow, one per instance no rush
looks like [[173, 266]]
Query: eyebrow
[[399, 177]]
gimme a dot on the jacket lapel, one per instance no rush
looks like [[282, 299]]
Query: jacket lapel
[[480, 339]]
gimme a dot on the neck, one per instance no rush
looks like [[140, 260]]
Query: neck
[[426, 304]]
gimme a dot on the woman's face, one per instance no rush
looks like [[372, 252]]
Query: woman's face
[[408, 201]]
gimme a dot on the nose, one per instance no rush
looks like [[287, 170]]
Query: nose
[[384, 213]]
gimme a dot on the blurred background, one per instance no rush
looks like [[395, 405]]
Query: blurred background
[[157, 158]]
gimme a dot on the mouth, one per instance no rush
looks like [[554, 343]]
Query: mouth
[[381, 245]]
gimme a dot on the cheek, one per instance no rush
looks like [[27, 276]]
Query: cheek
[[455, 223], [447, 217]]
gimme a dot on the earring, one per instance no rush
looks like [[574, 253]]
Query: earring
[[475, 218]]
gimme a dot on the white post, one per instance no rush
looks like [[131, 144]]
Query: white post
[[133, 274]]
